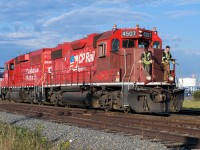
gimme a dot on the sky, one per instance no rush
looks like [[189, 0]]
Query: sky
[[27, 25]]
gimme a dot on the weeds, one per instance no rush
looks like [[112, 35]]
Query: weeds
[[191, 104], [65, 145], [16, 138]]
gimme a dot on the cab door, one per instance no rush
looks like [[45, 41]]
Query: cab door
[[115, 70], [11, 76]]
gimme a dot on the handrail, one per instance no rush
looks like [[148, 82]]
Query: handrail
[[39, 80], [124, 65], [140, 77], [131, 73], [174, 68], [35, 84], [60, 74], [152, 68], [122, 90]]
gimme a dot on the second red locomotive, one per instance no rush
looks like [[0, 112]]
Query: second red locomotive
[[100, 71]]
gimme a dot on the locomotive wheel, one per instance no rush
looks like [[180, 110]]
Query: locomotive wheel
[[30, 98], [106, 102], [108, 106], [67, 106], [127, 109], [17, 101], [55, 104], [31, 102], [40, 103], [54, 100], [108, 109]]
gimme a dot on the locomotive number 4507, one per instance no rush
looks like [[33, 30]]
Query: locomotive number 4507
[[129, 33]]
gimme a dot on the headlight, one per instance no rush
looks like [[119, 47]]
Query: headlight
[[148, 77], [171, 78]]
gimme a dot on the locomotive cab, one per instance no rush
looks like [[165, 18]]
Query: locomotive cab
[[119, 56], [126, 47]]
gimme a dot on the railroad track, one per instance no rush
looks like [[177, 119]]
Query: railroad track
[[173, 131], [189, 112]]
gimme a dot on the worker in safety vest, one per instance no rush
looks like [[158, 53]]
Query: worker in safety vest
[[146, 60], [166, 58]]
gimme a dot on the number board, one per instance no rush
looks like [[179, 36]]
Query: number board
[[147, 34], [128, 33]]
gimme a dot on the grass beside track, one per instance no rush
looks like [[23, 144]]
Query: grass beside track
[[191, 104], [16, 138]]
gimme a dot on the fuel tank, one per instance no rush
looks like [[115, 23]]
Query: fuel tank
[[77, 98]]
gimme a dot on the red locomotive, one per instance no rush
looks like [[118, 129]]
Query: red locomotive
[[100, 71]]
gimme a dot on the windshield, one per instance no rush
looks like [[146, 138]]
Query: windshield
[[128, 43], [143, 43]]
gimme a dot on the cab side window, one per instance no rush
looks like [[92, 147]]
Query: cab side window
[[11, 66], [102, 49], [156, 44], [115, 45]]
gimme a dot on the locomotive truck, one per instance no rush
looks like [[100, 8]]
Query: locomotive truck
[[101, 70]]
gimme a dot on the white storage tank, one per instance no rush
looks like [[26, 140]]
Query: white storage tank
[[187, 82]]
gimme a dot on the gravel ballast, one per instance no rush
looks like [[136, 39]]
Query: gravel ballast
[[81, 138]]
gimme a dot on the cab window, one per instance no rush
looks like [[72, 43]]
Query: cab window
[[156, 44], [11, 66], [128, 43], [102, 49], [115, 45], [143, 43]]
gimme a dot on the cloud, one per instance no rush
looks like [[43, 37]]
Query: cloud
[[15, 10], [96, 16], [185, 2], [31, 40], [152, 3], [172, 40], [182, 13], [176, 43], [17, 35], [47, 22], [189, 51]]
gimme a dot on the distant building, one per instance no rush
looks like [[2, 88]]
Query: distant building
[[189, 84]]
